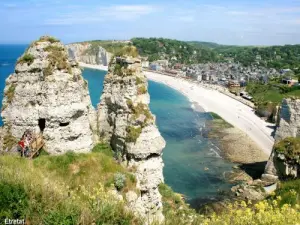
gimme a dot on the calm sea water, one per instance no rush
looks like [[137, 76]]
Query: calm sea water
[[193, 166]]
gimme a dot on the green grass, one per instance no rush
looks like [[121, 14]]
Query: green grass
[[289, 192], [138, 81], [48, 38], [65, 189], [57, 59], [133, 133], [10, 93], [290, 147], [27, 58]]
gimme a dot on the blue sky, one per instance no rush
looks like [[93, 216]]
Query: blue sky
[[243, 22]]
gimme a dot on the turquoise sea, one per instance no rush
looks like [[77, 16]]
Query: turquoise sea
[[193, 166]]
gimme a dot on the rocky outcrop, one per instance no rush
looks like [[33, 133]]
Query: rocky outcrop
[[281, 162], [125, 121], [47, 94], [289, 123], [88, 53]]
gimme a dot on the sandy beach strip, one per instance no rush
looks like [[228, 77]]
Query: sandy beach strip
[[96, 67], [231, 110]]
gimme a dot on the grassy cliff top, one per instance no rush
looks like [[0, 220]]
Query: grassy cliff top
[[290, 147]]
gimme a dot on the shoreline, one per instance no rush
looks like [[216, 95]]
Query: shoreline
[[231, 110], [96, 67], [210, 100]]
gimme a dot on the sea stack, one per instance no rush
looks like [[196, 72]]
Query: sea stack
[[125, 121], [47, 94], [284, 160]]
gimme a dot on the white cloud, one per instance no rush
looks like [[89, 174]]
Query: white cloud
[[110, 13]]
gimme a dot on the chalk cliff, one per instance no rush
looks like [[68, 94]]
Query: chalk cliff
[[280, 164], [87, 53], [48, 94], [125, 121]]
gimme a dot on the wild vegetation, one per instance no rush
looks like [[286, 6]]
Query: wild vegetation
[[173, 50], [59, 189], [49, 39], [26, 58], [290, 147], [57, 59], [10, 93], [267, 96], [112, 47], [278, 57], [141, 90], [133, 133]]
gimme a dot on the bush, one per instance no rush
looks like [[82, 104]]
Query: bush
[[13, 201], [118, 70], [103, 148], [27, 58], [10, 93], [138, 81], [57, 59], [142, 90], [48, 38], [289, 146], [119, 180], [133, 133]]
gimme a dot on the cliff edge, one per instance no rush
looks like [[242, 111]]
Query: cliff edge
[[47, 94]]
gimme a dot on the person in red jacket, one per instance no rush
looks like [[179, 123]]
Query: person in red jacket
[[21, 146]]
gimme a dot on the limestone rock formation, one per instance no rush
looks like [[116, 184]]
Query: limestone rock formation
[[289, 126], [48, 94], [86, 53], [125, 121]]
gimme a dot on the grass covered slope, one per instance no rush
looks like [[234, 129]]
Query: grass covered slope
[[67, 189], [77, 189]]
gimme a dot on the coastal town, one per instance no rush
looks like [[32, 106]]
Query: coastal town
[[233, 77]]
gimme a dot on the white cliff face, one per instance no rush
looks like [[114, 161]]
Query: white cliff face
[[84, 52], [48, 94], [125, 121], [289, 126]]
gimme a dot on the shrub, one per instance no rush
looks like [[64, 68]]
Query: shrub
[[103, 148], [61, 216], [288, 192], [57, 59], [13, 201], [118, 70], [10, 93], [133, 133], [119, 180], [142, 90], [129, 103], [289, 146], [138, 81], [27, 58], [48, 38], [8, 140], [142, 109]]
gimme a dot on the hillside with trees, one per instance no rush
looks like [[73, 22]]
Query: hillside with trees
[[174, 50]]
